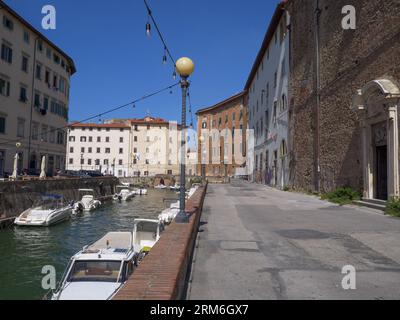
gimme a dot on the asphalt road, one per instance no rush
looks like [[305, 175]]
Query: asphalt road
[[260, 243]]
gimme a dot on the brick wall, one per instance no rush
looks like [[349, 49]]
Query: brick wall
[[163, 273], [349, 60]]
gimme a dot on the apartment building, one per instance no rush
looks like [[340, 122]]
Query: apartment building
[[34, 96], [125, 147], [222, 130], [267, 88], [101, 147]]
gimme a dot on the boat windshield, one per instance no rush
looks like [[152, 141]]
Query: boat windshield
[[49, 204], [94, 271], [146, 226]]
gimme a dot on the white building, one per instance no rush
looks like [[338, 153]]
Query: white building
[[34, 96], [126, 147], [267, 88], [99, 147]]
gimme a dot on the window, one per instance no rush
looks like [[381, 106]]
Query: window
[[120, 162], [283, 103], [97, 162], [48, 53], [105, 162], [121, 139], [6, 53], [82, 161], [7, 22], [147, 139], [98, 139], [90, 139], [71, 161], [52, 135], [89, 150], [47, 77], [147, 161], [83, 139], [56, 58], [20, 128], [121, 150], [62, 85], [107, 139], [135, 139], [4, 87], [71, 139], [134, 150], [275, 79], [24, 66], [38, 72], [22, 94], [35, 131], [98, 150], [283, 149], [89, 162], [283, 68], [46, 103], [37, 100], [40, 45], [55, 81], [108, 150], [274, 115], [60, 137], [82, 150], [2, 125], [147, 150], [71, 150]]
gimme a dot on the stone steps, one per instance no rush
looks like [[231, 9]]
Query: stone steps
[[372, 203]]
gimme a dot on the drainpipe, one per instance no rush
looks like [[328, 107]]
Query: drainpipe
[[32, 102], [318, 101]]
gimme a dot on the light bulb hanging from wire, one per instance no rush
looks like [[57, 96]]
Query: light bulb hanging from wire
[[148, 28], [164, 59]]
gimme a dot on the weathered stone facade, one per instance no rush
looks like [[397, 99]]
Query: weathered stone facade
[[349, 59]]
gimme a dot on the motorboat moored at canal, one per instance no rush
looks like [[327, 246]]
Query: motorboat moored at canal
[[87, 202], [124, 194], [146, 233], [160, 187], [140, 192], [98, 271], [51, 209]]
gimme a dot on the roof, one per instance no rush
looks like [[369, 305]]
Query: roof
[[222, 103], [267, 39], [99, 125], [3, 5], [115, 240], [148, 120]]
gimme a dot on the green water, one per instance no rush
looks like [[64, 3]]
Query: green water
[[24, 251]]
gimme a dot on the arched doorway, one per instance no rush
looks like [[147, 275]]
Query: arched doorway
[[377, 104]]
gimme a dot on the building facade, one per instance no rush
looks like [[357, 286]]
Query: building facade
[[267, 88], [221, 131], [345, 96], [34, 96], [125, 147]]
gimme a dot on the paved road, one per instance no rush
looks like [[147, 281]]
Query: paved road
[[259, 243]]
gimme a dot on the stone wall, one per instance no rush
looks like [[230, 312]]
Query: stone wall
[[17, 196], [349, 60]]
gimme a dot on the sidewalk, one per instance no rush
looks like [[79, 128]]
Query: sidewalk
[[261, 243]]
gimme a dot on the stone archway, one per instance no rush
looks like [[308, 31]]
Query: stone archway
[[377, 104]]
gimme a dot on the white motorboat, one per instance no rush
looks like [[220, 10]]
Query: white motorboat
[[87, 202], [51, 209], [168, 215], [141, 192], [124, 194], [160, 187], [176, 187], [98, 271], [146, 233]]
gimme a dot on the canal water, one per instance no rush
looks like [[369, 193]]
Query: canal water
[[25, 251]]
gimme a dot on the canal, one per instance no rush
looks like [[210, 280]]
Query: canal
[[24, 251]]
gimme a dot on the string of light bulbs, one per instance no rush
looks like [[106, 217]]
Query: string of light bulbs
[[167, 52], [99, 115]]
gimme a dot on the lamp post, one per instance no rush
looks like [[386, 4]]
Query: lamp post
[[184, 67]]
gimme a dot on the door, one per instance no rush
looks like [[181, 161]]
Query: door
[[381, 173]]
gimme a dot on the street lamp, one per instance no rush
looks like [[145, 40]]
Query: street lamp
[[184, 67]]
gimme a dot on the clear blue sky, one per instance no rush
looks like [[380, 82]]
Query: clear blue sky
[[117, 63]]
